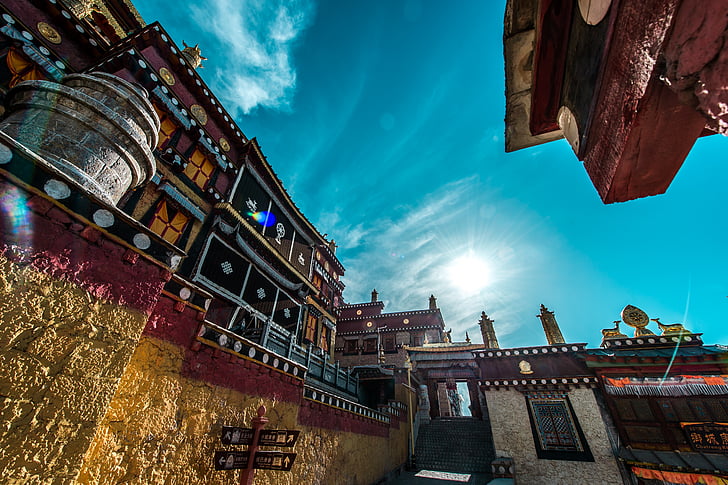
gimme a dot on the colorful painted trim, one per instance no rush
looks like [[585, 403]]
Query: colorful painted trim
[[677, 478], [175, 194], [670, 386]]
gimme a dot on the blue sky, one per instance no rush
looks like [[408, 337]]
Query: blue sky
[[384, 119]]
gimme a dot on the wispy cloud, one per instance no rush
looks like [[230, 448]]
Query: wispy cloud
[[256, 38], [407, 258]]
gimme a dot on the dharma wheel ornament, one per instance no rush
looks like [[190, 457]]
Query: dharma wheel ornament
[[634, 317]]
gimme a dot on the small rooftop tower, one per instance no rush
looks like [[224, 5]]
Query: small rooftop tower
[[374, 295], [550, 327], [433, 302], [488, 332]]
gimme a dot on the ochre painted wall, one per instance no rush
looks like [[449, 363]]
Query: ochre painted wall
[[512, 435], [164, 423], [101, 380], [71, 312]]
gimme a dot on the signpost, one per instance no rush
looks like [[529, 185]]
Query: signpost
[[255, 437], [232, 435], [264, 460]]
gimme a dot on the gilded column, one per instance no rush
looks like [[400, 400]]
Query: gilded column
[[486, 329], [550, 327]]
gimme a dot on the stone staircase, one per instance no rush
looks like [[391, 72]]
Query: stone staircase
[[462, 445]]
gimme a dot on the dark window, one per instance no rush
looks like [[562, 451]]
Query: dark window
[[350, 347], [286, 314], [370, 345], [556, 432], [220, 312], [389, 345], [224, 267], [260, 293]]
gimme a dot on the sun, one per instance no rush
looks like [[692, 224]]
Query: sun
[[470, 273]]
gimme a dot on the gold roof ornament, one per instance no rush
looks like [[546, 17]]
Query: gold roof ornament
[[448, 336], [490, 340], [524, 367], [671, 328], [613, 332], [550, 326], [193, 55], [634, 317]]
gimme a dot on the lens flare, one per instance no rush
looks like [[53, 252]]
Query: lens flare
[[14, 216], [264, 218]]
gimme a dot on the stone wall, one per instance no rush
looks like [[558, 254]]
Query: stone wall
[[72, 310], [512, 437]]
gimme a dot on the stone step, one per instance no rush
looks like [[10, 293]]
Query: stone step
[[457, 445]]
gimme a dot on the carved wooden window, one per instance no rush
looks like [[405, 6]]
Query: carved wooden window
[[310, 331], [21, 68], [199, 169], [167, 127], [556, 432], [168, 222]]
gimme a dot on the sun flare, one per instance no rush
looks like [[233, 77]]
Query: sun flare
[[470, 273]]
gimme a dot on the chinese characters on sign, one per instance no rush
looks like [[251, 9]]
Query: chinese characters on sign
[[264, 460], [232, 435], [707, 436]]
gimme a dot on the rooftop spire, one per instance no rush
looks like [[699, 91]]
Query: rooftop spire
[[374, 295], [486, 328], [550, 327], [433, 302]]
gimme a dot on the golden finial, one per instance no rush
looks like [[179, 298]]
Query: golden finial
[[193, 55]]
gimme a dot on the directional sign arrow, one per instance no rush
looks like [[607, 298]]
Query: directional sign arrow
[[232, 435], [230, 460], [274, 460], [278, 437]]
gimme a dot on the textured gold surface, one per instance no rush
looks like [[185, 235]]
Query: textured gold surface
[[49, 33], [163, 427], [224, 144], [167, 76], [199, 113], [63, 354]]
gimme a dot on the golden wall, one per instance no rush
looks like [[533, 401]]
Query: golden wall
[[163, 427], [62, 353]]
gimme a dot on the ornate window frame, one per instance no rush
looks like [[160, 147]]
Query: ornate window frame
[[556, 431]]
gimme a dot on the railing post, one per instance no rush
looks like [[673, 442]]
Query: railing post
[[291, 343], [308, 355], [264, 337], [336, 375]]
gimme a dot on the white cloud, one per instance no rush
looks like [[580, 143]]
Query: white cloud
[[256, 38], [406, 259]]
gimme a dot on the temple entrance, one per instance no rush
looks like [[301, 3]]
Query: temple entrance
[[455, 399]]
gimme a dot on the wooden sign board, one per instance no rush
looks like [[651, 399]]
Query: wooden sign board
[[232, 435], [710, 437], [264, 460]]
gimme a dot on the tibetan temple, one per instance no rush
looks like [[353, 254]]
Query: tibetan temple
[[630, 85], [159, 287]]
